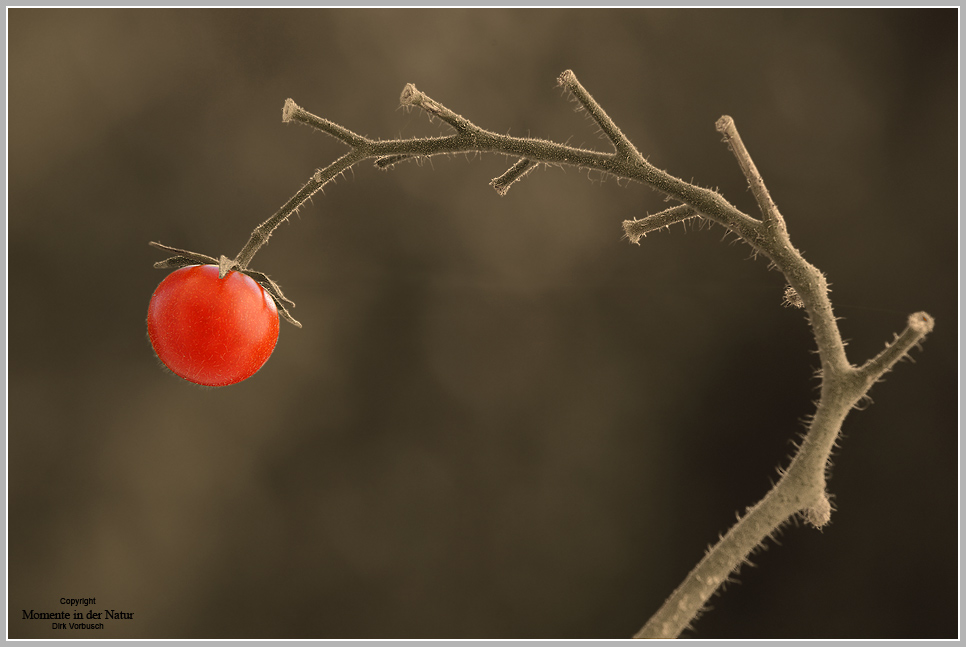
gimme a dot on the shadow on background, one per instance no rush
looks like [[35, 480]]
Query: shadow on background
[[500, 420]]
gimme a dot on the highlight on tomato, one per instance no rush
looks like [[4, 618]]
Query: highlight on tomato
[[212, 331]]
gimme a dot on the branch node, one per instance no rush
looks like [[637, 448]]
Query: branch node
[[792, 298]]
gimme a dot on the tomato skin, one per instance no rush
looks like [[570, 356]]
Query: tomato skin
[[212, 331]]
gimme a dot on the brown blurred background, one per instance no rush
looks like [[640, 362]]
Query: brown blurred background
[[500, 420]]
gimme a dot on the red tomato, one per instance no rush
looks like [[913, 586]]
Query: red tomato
[[212, 331]]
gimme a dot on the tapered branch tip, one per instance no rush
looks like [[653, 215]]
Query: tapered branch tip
[[288, 110], [408, 96], [723, 123], [921, 322]]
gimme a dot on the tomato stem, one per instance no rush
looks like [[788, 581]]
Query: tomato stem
[[320, 178]]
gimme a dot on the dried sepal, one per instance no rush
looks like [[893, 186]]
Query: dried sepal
[[187, 258], [282, 310], [272, 288], [175, 263], [183, 255], [268, 284]]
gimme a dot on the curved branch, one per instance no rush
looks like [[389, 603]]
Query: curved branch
[[319, 179], [801, 488], [625, 163]]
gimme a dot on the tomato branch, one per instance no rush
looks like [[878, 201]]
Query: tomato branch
[[801, 490]]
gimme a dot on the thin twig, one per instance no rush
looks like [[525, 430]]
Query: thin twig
[[291, 111], [412, 97], [726, 126], [918, 326], [623, 145], [513, 174], [634, 230]]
